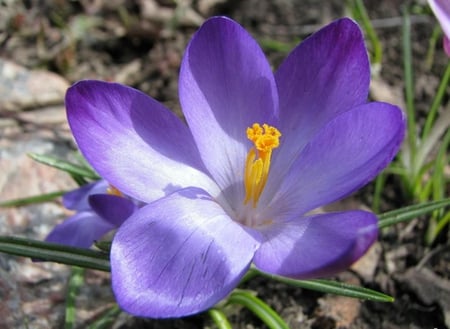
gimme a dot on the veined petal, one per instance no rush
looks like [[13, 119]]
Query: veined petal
[[78, 198], [343, 156], [226, 85], [316, 246], [133, 141], [113, 209], [327, 74], [80, 230], [178, 255]]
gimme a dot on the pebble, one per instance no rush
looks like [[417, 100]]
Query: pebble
[[21, 88]]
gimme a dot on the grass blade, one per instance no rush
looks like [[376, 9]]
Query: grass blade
[[75, 282], [64, 165], [408, 213], [55, 253], [334, 287], [32, 199], [259, 308], [219, 318]]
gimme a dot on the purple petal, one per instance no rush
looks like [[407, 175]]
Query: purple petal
[[134, 142], [80, 230], [113, 209], [316, 246], [441, 8], [345, 155], [78, 199], [178, 256], [226, 85], [447, 46], [327, 74]]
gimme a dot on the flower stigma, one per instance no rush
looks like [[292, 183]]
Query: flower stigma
[[111, 190], [257, 165]]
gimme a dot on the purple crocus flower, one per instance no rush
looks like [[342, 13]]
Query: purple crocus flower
[[441, 9], [236, 185], [97, 213]]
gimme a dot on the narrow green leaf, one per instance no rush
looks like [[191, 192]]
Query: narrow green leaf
[[409, 85], [75, 282], [410, 212], [259, 308], [219, 318], [334, 287], [361, 14], [440, 93], [64, 165], [379, 186], [55, 253], [278, 46], [32, 199]]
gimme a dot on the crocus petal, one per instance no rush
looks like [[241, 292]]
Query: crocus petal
[[113, 209], [78, 198], [134, 142], [226, 85], [447, 45], [441, 8], [344, 155], [316, 246], [177, 256], [80, 230], [327, 74]]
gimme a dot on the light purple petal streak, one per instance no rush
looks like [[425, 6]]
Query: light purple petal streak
[[177, 256], [318, 245], [441, 8], [110, 121], [226, 85]]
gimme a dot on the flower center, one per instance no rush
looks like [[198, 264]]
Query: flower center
[[257, 165]]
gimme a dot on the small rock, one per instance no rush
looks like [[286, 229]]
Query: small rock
[[430, 288], [342, 310], [381, 91], [395, 258], [21, 88], [367, 265]]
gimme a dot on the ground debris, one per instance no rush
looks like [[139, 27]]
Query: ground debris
[[429, 288]]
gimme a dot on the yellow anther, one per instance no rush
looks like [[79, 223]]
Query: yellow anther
[[265, 139], [113, 191]]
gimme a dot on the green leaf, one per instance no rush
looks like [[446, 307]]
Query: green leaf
[[55, 253], [32, 199], [333, 287], [219, 318], [75, 282], [359, 12], [408, 213], [259, 308], [71, 168], [409, 87], [437, 101]]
